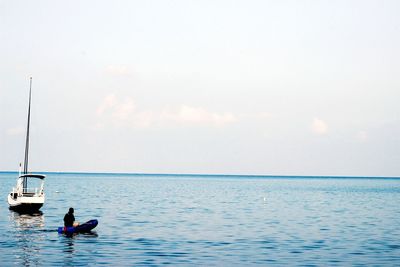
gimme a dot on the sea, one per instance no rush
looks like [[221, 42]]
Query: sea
[[207, 220]]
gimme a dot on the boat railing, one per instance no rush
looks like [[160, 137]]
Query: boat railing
[[34, 191]]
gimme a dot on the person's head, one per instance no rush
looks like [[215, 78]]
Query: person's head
[[71, 210]]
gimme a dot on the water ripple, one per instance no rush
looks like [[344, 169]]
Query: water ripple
[[186, 221]]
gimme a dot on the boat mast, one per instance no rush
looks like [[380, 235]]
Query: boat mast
[[27, 136]]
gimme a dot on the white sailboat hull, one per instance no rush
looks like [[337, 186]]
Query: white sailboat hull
[[25, 203]]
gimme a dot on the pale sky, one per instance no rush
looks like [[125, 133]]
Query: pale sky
[[208, 87]]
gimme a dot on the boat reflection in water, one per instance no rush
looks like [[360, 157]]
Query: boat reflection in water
[[25, 221], [29, 236]]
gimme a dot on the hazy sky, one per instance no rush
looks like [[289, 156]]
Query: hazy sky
[[233, 87]]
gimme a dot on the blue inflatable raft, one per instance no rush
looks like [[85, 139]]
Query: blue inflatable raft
[[82, 228]]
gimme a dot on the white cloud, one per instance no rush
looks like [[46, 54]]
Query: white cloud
[[15, 131], [118, 70], [319, 126], [199, 116], [264, 115], [108, 103], [124, 113], [124, 110], [256, 115], [362, 136]]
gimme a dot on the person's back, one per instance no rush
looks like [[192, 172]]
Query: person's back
[[69, 218]]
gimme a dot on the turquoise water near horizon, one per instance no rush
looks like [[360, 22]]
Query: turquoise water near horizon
[[217, 220]]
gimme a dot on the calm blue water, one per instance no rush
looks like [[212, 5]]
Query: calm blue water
[[207, 221]]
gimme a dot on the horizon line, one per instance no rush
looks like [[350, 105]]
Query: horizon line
[[213, 175]]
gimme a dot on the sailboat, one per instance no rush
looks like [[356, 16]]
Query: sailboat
[[22, 198]]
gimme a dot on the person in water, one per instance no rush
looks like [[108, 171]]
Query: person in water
[[69, 218]]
